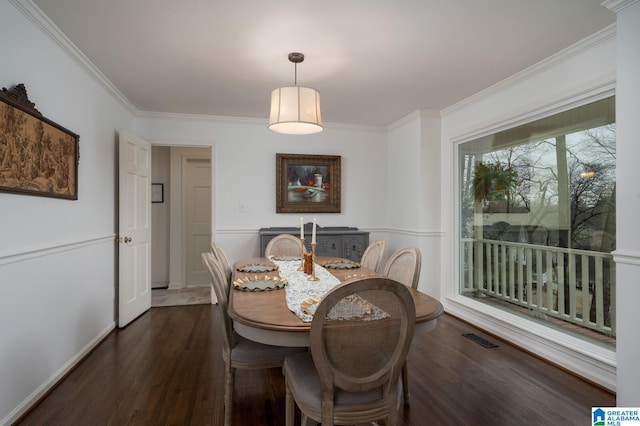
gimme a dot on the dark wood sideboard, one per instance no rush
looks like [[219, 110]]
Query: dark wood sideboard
[[339, 241]]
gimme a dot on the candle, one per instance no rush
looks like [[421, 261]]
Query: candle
[[301, 229], [313, 232]]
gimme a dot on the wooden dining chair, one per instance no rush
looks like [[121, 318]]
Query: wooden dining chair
[[283, 245], [372, 256], [351, 375], [221, 256], [404, 266], [238, 352]]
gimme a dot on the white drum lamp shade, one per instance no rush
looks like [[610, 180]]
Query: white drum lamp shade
[[295, 110]]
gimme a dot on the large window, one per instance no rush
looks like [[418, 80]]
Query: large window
[[537, 212]]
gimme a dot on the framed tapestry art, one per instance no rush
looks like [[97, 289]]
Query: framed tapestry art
[[307, 183], [37, 156]]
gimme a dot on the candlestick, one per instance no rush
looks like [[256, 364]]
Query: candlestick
[[313, 232], [313, 263], [301, 228], [301, 268]]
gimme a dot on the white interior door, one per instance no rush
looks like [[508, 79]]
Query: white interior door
[[134, 239], [197, 199]]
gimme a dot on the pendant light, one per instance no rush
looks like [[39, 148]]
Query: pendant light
[[295, 110]]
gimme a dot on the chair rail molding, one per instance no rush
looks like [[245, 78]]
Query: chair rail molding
[[626, 257], [27, 253]]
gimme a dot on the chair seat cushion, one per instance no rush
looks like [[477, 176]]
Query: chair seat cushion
[[304, 382], [247, 352]]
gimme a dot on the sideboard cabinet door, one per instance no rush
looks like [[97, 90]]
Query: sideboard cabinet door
[[329, 245], [354, 246]]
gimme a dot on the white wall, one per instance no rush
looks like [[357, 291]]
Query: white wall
[[245, 173], [575, 76], [627, 255], [56, 256], [413, 191], [404, 181]]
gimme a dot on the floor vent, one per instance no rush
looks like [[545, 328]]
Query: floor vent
[[479, 340]]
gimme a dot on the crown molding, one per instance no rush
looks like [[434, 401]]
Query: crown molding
[[44, 24], [411, 116], [200, 117], [575, 49], [245, 120], [618, 5]]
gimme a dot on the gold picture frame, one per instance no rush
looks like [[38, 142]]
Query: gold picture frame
[[307, 183], [37, 156]]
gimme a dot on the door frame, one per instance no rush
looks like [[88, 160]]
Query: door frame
[[180, 152]]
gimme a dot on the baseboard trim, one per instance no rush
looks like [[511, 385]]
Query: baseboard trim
[[592, 363], [52, 381], [175, 285]]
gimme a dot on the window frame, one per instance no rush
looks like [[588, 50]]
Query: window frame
[[587, 359]]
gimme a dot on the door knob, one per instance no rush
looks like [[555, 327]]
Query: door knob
[[128, 239]]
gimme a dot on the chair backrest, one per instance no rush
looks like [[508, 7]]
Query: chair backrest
[[283, 245], [219, 254], [404, 266], [220, 287], [360, 335], [373, 255]]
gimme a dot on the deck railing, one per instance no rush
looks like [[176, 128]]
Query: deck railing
[[577, 286]]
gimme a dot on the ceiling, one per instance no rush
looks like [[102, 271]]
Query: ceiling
[[373, 61]]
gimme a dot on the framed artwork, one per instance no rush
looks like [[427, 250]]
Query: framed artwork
[[307, 183], [157, 193], [37, 156]]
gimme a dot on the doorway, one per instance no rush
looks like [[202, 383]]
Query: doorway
[[182, 224]]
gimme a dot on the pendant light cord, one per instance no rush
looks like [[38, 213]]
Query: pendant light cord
[[296, 57]]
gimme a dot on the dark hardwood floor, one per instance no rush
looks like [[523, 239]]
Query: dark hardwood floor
[[166, 369]]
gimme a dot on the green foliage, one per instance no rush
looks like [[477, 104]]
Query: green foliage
[[494, 182]]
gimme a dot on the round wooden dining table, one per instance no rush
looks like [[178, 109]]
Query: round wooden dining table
[[263, 316]]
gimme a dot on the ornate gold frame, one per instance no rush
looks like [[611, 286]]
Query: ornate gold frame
[[307, 183]]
